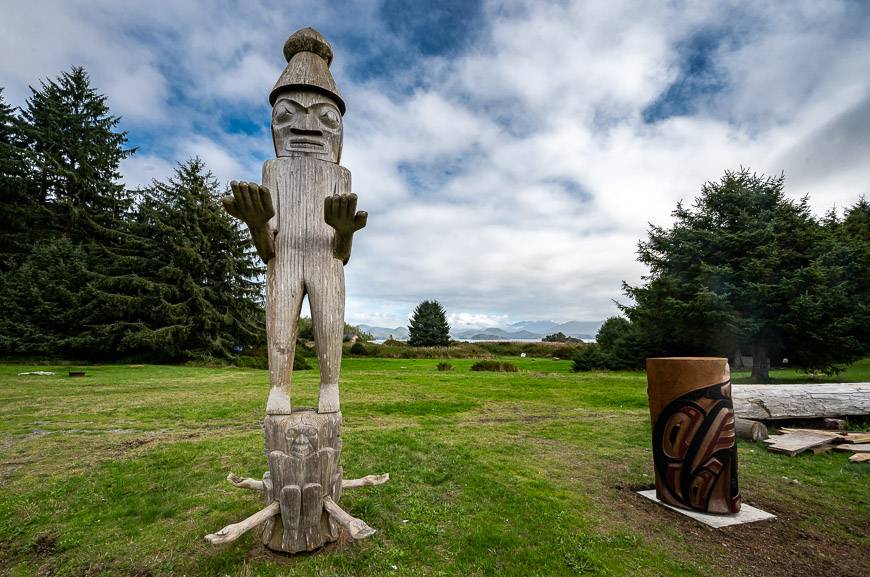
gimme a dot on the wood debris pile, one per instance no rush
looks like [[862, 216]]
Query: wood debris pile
[[794, 441]]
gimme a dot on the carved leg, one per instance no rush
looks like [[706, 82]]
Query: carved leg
[[283, 305], [326, 295]]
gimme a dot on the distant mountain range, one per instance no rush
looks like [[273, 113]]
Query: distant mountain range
[[523, 330]]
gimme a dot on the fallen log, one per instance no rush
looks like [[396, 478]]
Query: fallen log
[[803, 401], [750, 430]]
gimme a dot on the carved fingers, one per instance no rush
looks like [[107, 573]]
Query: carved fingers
[[339, 212], [360, 220], [249, 202]]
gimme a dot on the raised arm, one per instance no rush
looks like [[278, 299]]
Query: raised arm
[[252, 204], [339, 212]]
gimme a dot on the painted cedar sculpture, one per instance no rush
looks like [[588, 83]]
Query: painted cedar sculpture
[[302, 220], [694, 437]]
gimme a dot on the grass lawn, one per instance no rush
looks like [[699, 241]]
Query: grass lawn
[[533, 473]]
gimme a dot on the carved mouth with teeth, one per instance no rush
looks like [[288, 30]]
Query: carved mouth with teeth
[[304, 144]]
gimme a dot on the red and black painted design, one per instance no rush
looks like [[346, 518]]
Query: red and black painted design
[[695, 451]]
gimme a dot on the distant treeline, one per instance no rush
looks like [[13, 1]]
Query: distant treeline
[[90, 269], [393, 349]]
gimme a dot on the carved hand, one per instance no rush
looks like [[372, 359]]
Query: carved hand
[[339, 212], [252, 204]]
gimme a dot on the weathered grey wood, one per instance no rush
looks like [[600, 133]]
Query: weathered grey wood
[[357, 528], [303, 449], [772, 402], [304, 264], [232, 532], [794, 443], [750, 430], [312, 508], [855, 448], [245, 483], [367, 481], [836, 424], [302, 219]]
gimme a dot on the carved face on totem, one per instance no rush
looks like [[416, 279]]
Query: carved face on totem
[[307, 123], [695, 453], [302, 438]]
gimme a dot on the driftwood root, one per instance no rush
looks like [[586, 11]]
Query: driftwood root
[[232, 532], [357, 528]]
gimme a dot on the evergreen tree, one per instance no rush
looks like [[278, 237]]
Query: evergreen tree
[[18, 209], [745, 267], [74, 152], [429, 326], [41, 300], [620, 344], [201, 295], [71, 154]]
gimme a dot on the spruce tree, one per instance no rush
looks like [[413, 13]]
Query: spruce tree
[[19, 213], [746, 268], [202, 294], [74, 152], [75, 205], [429, 326]]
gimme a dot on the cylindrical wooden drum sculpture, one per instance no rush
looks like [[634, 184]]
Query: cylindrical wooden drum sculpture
[[693, 434]]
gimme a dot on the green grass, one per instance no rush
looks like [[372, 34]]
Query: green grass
[[516, 474]]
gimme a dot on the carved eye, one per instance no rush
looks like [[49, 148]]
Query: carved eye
[[330, 118], [283, 113]]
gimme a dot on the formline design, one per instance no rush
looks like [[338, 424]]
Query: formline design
[[694, 433]]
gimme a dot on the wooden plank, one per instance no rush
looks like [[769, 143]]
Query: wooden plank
[[860, 458], [857, 448], [793, 443], [821, 449], [772, 402], [837, 436]]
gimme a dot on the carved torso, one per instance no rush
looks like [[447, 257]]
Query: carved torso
[[299, 185]]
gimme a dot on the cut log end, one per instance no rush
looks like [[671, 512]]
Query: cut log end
[[750, 430]]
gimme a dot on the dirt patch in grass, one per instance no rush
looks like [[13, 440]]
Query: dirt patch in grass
[[778, 548]]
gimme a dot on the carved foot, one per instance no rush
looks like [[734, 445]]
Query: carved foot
[[246, 483], [357, 528], [367, 481], [278, 403], [232, 532]]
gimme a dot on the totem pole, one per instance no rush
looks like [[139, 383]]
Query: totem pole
[[694, 437], [302, 220]]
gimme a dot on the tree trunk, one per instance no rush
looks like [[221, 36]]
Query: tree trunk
[[801, 401], [760, 363]]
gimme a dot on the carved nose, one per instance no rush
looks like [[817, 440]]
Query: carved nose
[[304, 132]]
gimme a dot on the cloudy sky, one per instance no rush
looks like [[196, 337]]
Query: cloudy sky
[[510, 154]]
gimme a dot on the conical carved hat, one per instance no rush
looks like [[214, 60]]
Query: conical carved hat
[[308, 57]]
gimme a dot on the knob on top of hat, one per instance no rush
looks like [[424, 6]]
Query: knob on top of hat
[[308, 40]]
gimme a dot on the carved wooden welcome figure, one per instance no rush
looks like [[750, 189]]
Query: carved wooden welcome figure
[[302, 219]]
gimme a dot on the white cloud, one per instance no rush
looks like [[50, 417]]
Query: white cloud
[[513, 178]]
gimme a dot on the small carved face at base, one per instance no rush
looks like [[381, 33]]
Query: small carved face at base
[[302, 439], [307, 123]]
